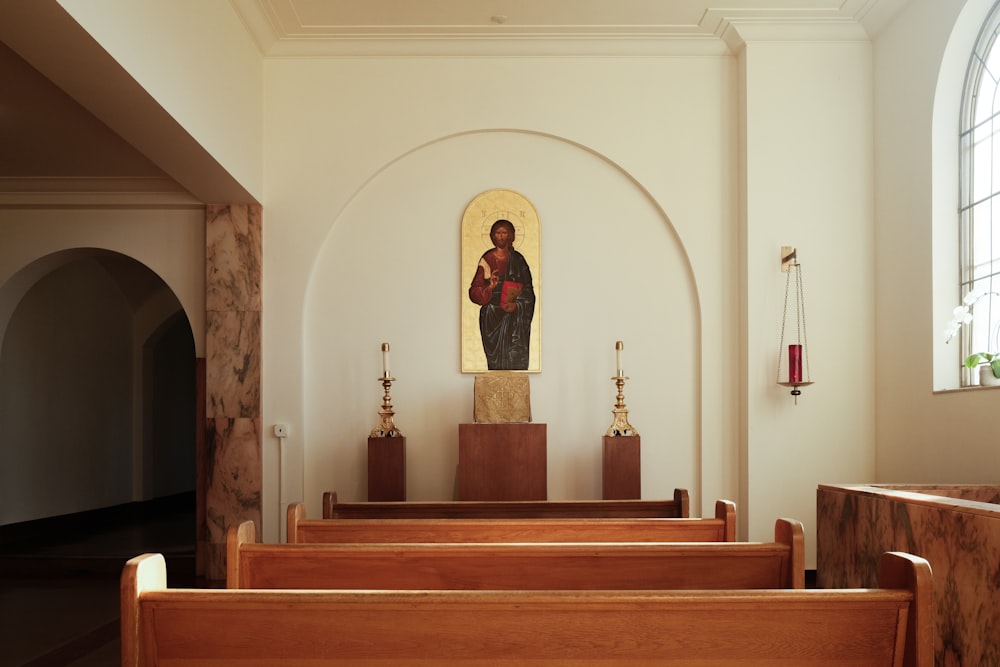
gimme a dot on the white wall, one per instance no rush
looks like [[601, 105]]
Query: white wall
[[676, 196], [809, 169], [925, 433], [370, 164], [198, 62], [170, 242]]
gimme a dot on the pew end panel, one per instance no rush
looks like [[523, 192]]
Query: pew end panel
[[726, 511], [790, 532], [906, 571], [237, 535], [294, 515], [147, 572]]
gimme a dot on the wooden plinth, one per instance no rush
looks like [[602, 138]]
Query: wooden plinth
[[502, 462], [622, 472], [387, 469]]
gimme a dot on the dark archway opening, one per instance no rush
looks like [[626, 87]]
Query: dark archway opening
[[97, 396]]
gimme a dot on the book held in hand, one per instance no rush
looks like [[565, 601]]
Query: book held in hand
[[509, 292]]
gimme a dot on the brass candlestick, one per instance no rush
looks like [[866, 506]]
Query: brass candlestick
[[386, 428], [620, 426]]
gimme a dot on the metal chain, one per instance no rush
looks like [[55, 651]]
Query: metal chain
[[800, 319], [784, 316], [801, 314]]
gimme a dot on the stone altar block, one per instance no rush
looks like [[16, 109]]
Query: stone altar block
[[502, 462], [502, 397]]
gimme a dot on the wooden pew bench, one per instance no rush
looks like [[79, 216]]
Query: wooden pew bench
[[678, 507], [509, 565], [720, 528], [881, 627]]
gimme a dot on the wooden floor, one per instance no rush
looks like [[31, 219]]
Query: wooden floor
[[59, 601]]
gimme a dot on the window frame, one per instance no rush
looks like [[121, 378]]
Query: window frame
[[979, 208]]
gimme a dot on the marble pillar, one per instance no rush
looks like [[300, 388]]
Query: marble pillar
[[955, 527], [231, 465]]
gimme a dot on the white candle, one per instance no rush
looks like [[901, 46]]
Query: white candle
[[618, 357], [385, 359]]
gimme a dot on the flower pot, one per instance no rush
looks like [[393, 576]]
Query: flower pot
[[986, 377]]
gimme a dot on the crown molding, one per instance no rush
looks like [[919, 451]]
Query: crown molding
[[284, 29], [567, 45], [94, 192], [737, 33]]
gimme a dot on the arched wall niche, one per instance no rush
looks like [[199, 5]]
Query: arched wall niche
[[612, 268]]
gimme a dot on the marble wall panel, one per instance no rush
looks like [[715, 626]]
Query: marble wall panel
[[233, 257], [234, 472], [232, 468], [959, 538], [233, 363]]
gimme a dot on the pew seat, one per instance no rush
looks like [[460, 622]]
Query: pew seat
[[882, 627], [514, 565], [720, 528], [678, 507]]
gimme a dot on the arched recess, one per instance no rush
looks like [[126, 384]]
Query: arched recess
[[93, 347], [613, 268]]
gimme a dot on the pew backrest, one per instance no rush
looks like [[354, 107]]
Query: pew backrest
[[888, 626], [678, 507], [510, 565], [720, 528]]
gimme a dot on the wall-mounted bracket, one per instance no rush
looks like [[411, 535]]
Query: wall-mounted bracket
[[788, 258]]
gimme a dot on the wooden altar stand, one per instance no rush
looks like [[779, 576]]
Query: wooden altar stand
[[387, 468], [622, 471], [502, 462]]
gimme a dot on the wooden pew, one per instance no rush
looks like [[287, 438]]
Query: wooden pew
[[679, 507], [508, 565], [877, 627], [721, 528]]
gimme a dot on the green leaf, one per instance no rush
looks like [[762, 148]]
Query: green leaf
[[973, 360], [978, 358]]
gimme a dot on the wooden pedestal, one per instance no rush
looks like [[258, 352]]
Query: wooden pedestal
[[387, 469], [502, 462], [622, 472]]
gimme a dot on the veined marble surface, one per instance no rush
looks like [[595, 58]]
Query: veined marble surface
[[233, 469], [233, 257], [955, 527]]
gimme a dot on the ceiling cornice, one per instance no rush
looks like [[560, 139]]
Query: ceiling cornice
[[737, 33], [282, 30], [110, 192]]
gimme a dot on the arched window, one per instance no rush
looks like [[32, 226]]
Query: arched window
[[978, 326]]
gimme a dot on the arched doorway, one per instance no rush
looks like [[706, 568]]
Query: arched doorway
[[97, 396]]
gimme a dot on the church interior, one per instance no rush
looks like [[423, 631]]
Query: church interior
[[237, 240]]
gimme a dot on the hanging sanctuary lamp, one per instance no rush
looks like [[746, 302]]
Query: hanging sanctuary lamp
[[797, 351]]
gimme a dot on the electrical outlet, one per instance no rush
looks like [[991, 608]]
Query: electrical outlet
[[281, 430]]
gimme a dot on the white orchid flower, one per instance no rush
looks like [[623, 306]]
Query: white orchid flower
[[962, 315], [974, 295], [952, 330]]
